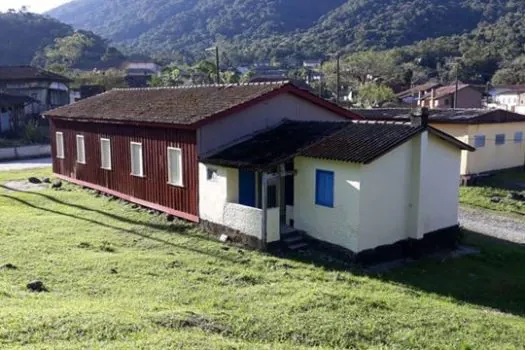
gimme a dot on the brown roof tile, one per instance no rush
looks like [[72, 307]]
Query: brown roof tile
[[181, 105], [356, 142], [28, 73], [444, 116]]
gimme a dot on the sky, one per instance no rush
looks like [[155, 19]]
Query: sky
[[33, 5]]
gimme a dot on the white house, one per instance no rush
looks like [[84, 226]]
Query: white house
[[355, 185]]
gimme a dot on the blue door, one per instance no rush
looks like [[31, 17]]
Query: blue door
[[247, 188]]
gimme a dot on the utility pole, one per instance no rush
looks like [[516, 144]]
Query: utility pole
[[217, 64], [457, 87], [321, 80], [338, 78]]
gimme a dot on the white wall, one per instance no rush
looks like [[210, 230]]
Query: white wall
[[386, 198], [220, 133], [218, 204], [338, 225], [440, 190]]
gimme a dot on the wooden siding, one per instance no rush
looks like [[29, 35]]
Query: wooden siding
[[152, 189]]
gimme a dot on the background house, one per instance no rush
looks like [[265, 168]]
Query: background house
[[12, 115], [443, 97], [497, 135], [47, 90], [412, 95], [139, 73]]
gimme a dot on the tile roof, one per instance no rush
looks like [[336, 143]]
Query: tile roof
[[447, 90], [274, 146], [363, 142], [189, 105], [416, 89], [29, 73], [357, 142], [445, 116]]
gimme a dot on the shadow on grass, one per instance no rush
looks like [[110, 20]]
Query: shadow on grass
[[495, 278], [179, 228]]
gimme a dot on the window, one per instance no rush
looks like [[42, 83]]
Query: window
[[479, 141], [324, 188], [60, 145], [81, 150], [211, 174], [518, 137], [105, 154], [137, 167], [500, 139], [447, 101], [175, 166]]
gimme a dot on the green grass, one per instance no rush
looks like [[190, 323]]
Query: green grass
[[177, 288], [495, 186]]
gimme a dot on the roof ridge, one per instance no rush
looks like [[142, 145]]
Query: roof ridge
[[194, 86]]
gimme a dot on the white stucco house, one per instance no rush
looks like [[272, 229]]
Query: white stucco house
[[357, 186]]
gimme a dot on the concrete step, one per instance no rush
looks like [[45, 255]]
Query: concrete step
[[298, 246], [291, 239]]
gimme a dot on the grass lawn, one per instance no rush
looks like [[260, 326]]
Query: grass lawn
[[120, 278], [495, 186]]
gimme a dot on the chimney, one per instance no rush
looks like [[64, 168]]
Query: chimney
[[432, 97], [419, 117]]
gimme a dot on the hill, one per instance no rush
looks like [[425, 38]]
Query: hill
[[274, 28], [191, 25], [27, 38]]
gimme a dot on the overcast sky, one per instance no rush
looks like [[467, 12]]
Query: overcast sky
[[33, 5]]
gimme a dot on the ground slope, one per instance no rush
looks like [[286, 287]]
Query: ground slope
[[121, 278]]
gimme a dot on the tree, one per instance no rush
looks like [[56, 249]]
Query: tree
[[170, 76], [511, 73], [372, 94]]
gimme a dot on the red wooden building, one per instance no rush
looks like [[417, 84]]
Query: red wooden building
[[144, 145]]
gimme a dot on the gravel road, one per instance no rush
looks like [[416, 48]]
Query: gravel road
[[25, 164], [491, 224]]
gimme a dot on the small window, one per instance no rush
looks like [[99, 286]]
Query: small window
[[81, 150], [518, 137], [479, 141], [447, 102], [211, 174], [60, 145], [175, 166], [137, 167], [500, 139], [105, 153], [324, 188]]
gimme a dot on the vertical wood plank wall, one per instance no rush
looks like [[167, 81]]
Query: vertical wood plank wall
[[153, 187]]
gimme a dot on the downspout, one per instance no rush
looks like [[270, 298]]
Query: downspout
[[264, 195]]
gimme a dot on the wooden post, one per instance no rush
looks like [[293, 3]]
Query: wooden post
[[264, 196]]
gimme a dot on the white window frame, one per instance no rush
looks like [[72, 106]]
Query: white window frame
[[81, 151], [108, 158], [180, 169], [141, 174], [59, 139]]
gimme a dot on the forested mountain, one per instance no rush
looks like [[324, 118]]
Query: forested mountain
[[477, 37], [273, 28], [27, 38], [191, 24]]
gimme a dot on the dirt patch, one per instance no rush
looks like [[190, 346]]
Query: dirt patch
[[24, 186], [190, 320]]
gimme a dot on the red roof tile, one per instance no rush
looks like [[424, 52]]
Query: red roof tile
[[181, 105]]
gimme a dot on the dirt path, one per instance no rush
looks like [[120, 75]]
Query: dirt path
[[492, 224]]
